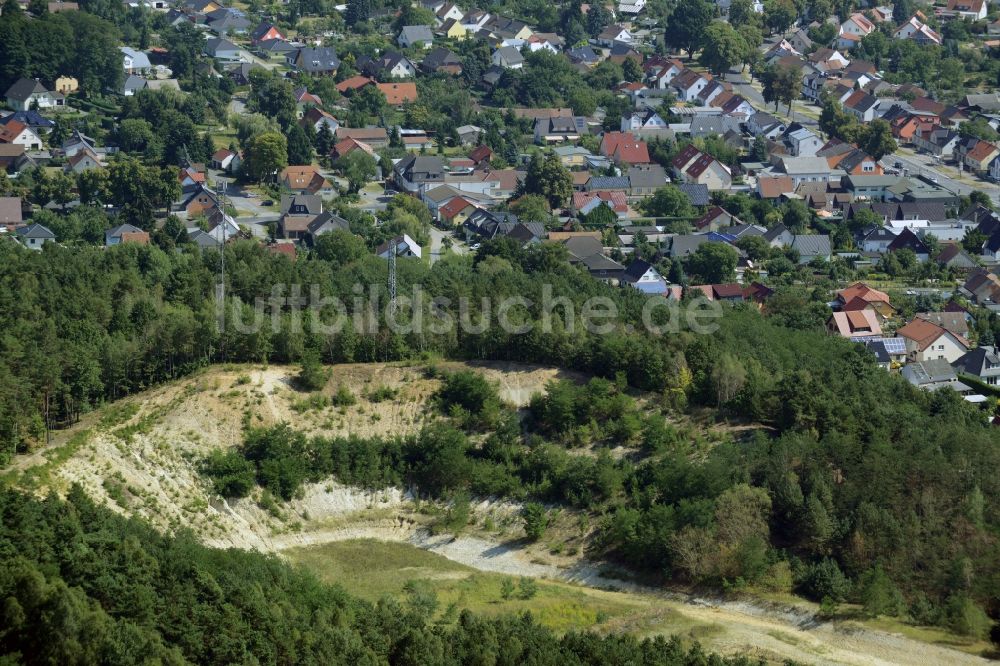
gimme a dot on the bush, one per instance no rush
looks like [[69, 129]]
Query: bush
[[232, 475], [536, 520], [527, 588], [468, 394], [824, 580], [381, 394], [343, 397], [964, 617], [312, 376]]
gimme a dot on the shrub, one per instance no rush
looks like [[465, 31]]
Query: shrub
[[232, 475], [312, 376], [536, 520]]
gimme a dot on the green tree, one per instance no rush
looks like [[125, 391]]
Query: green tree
[[549, 178], [668, 201], [358, 167], [300, 148], [265, 155], [687, 24], [340, 247], [312, 376], [876, 139], [713, 263], [536, 520], [878, 594], [358, 11], [722, 48]]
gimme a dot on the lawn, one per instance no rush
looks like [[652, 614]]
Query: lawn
[[372, 569]]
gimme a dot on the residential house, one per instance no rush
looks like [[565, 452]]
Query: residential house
[[853, 30], [643, 120], [376, 137], [955, 257], [688, 84], [974, 10], [220, 48], [19, 134], [936, 140], [227, 21], [415, 36], [305, 179], [508, 57], [417, 173], [624, 149], [715, 218], [907, 240], [926, 340], [933, 374], [982, 288], [401, 246], [134, 61], [854, 324], [979, 157], [266, 32], [697, 193], [642, 275], [84, 161], [317, 117], [877, 240], [857, 163], [390, 65], [317, 61], [397, 94], [644, 180], [614, 33], [441, 59], [226, 160], [25, 94], [862, 106], [804, 169], [983, 363], [456, 211], [125, 233], [11, 215], [918, 31], [765, 125], [34, 236], [955, 322], [827, 60], [449, 11], [197, 200], [584, 56], [13, 158], [452, 29], [584, 203], [560, 129], [801, 141], [774, 187], [324, 223], [812, 246], [861, 296]]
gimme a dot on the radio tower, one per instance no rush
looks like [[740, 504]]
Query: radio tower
[[392, 277], [222, 273]]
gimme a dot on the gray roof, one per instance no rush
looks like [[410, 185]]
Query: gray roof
[[684, 244], [706, 125], [35, 231], [583, 246], [654, 176], [327, 222], [510, 54], [304, 204], [139, 59], [978, 361], [697, 193], [812, 245], [323, 59], [416, 33], [804, 165], [133, 83], [608, 183], [218, 45], [24, 88], [934, 371]]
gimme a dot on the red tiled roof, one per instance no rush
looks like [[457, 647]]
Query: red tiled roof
[[480, 154], [774, 187], [923, 333], [685, 156], [860, 289], [454, 207], [353, 83], [398, 93]]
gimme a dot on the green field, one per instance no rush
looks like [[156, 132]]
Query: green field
[[372, 569]]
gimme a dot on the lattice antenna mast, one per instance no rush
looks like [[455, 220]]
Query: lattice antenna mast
[[222, 265], [392, 276]]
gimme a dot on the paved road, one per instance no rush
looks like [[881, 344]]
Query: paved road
[[925, 165], [437, 236], [751, 91]]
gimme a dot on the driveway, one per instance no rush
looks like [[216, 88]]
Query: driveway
[[437, 247]]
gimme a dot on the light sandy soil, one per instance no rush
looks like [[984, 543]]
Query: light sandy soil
[[152, 472]]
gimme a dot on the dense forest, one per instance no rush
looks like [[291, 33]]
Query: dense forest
[[856, 486], [82, 585]]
